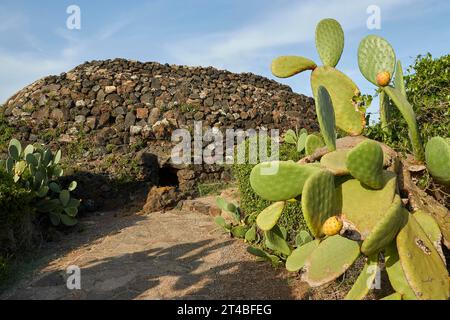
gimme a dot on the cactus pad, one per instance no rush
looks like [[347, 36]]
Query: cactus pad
[[298, 257], [394, 296], [365, 163], [399, 81], [363, 207], [437, 155], [424, 269], [430, 227], [363, 284], [287, 66], [269, 217], [329, 41], [396, 274], [386, 229], [330, 259], [319, 201], [284, 182], [335, 162], [408, 114], [326, 117], [375, 55], [313, 142], [275, 240], [342, 90]]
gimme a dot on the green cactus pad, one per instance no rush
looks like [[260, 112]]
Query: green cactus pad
[[330, 259], [313, 142], [326, 117], [437, 155], [408, 114], [298, 257], [15, 149], [430, 227], [385, 111], [363, 207], [399, 81], [386, 229], [319, 201], [275, 240], [303, 237], [335, 162], [365, 163], [396, 274], [285, 183], [424, 269], [363, 284], [329, 41], [394, 296], [269, 217], [287, 66], [342, 90], [375, 55]]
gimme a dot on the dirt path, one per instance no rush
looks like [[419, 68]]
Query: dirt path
[[172, 255]]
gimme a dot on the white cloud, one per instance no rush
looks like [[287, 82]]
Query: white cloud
[[289, 25]]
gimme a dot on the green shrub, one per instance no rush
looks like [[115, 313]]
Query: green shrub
[[292, 217], [428, 90], [6, 133]]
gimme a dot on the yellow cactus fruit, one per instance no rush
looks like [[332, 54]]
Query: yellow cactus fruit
[[332, 226], [383, 78]]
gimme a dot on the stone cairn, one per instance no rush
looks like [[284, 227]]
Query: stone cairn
[[119, 109]]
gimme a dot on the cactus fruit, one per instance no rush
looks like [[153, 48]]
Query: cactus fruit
[[383, 79], [424, 269], [396, 274], [342, 90], [313, 142], [365, 280], [319, 201], [365, 213], [437, 155], [375, 55], [280, 180], [386, 229], [329, 41], [408, 114], [298, 257], [269, 217], [287, 66], [326, 118], [365, 163], [335, 162], [275, 240], [332, 226], [330, 259]]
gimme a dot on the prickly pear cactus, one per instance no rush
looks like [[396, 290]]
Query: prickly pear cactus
[[342, 90], [365, 280], [326, 118], [275, 240], [365, 214], [365, 163], [319, 201], [330, 259], [375, 55], [386, 229], [298, 257], [329, 41], [396, 274], [437, 155], [280, 180], [424, 269], [399, 81], [287, 66], [313, 142], [269, 217], [431, 229], [335, 162]]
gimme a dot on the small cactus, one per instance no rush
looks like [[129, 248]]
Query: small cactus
[[325, 116], [365, 163], [269, 217]]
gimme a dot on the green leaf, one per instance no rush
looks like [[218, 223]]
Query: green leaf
[[239, 231], [251, 234], [302, 238], [55, 187], [64, 197], [57, 158], [220, 221], [275, 241], [301, 142], [290, 137], [72, 186], [42, 192], [54, 218], [68, 221], [71, 211]]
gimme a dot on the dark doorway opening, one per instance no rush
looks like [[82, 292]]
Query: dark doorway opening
[[168, 177]]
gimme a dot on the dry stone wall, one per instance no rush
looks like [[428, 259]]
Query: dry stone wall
[[114, 118]]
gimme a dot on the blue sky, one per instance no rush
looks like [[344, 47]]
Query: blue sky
[[241, 36]]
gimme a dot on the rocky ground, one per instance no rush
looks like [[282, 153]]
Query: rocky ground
[[179, 254]]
